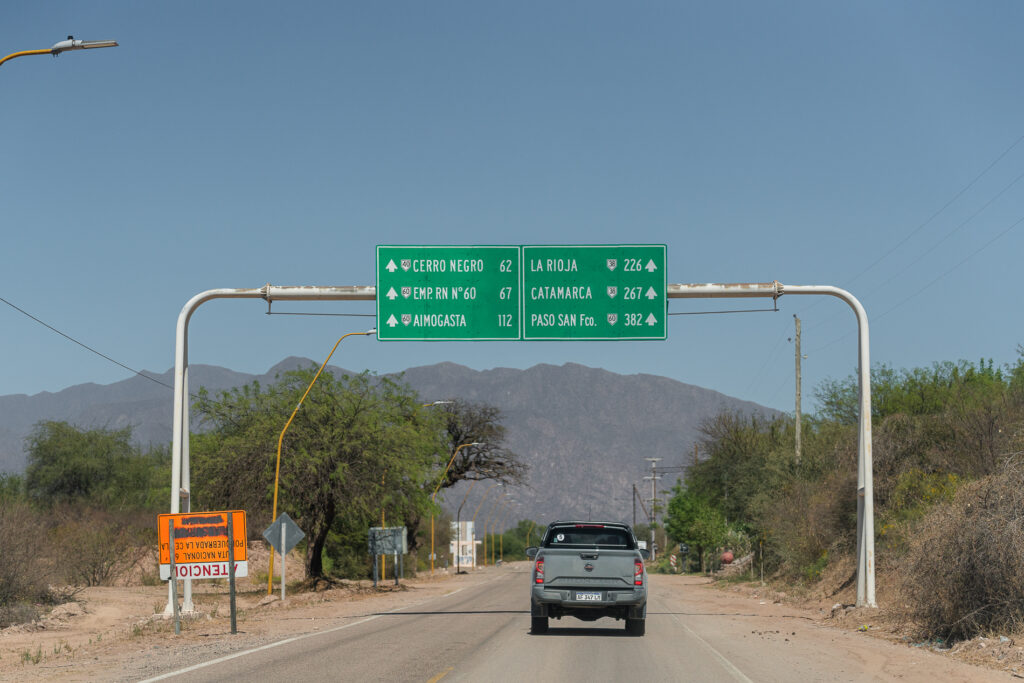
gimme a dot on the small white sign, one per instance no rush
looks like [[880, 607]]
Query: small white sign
[[203, 570]]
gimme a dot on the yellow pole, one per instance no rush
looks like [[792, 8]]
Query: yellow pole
[[502, 514], [25, 53], [476, 510], [487, 523], [433, 497], [501, 539], [280, 440]]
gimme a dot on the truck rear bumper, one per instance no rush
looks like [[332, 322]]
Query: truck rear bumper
[[617, 603]]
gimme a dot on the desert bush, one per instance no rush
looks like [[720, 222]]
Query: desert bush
[[964, 572], [100, 546], [23, 569], [808, 519]]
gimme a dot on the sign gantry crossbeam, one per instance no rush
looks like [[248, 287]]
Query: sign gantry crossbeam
[[865, 496]]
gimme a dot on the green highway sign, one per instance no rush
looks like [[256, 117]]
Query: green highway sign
[[594, 292], [443, 293], [543, 292]]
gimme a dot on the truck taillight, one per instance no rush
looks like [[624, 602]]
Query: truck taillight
[[638, 572], [538, 571]]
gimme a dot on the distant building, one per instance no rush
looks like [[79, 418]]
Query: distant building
[[463, 557]]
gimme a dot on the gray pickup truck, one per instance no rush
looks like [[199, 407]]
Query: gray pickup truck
[[588, 570]]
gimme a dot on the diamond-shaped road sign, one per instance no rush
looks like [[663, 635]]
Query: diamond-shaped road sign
[[292, 533]]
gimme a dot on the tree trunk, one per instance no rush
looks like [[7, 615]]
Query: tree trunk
[[315, 552], [318, 530], [410, 533]]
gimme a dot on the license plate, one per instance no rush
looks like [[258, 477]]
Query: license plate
[[588, 596]]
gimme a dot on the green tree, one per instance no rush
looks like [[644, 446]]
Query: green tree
[[692, 520], [466, 422], [67, 464], [358, 443], [916, 391], [12, 487], [745, 455]]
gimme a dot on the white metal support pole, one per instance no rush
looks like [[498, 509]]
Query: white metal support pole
[[186, 484], [283, 546], [865, 487], [865, 480], [180, 428]]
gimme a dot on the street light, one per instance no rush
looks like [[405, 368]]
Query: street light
[[63, 46], [280, 440], [384, 558], [476, 510], [498, 504], [433, 497], [458, 530], [503, 526]]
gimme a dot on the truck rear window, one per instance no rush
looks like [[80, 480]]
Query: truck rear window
[[589, 537]]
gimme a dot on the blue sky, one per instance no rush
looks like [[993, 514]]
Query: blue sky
[[231, 144]]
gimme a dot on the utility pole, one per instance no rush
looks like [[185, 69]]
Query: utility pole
[[798, 383], [634, 506], [654, 496]]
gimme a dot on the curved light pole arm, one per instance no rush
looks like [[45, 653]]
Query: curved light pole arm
[[280, 441], [25, 53], [433, 497]]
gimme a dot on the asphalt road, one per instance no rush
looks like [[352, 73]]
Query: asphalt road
[[481, 633]]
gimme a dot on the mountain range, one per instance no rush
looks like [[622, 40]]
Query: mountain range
[[584, 432]]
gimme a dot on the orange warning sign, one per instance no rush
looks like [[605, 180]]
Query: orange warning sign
[[201, 537]]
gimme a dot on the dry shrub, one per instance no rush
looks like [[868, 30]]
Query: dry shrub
[[100, 547], [22, 563], [809, 521], [964, 573]]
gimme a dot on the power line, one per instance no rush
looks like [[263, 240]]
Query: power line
[[935, 215], [85, 346], [944, 274], [937, 244], [768, 359], [940, 211]]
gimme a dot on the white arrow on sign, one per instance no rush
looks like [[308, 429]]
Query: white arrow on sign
[[650, 266], [392, 321], [392, 294], [391, 267], [651, 320], [651, 294]]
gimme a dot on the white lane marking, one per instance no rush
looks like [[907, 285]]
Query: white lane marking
[[729, 666], [226, 658]]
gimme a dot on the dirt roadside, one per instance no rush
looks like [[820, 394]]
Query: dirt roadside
[[119, 634]]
